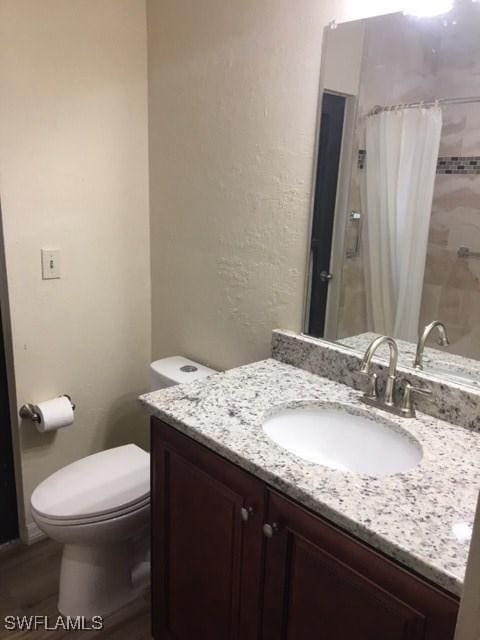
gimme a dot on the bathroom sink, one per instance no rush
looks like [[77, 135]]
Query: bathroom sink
[[345, 438]]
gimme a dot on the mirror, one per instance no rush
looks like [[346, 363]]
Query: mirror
[[395, 241]]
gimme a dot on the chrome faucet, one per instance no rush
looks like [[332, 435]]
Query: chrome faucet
[[443, 341], [371, 396]]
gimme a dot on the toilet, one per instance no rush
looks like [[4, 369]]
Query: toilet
[[99, 509]]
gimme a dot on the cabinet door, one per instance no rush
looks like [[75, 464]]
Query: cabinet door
[[206, 542], [322, 584]]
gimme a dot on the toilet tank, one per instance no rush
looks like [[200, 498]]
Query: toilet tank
[[167, 372]]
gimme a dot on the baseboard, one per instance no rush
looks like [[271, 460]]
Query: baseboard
[[34, 533]]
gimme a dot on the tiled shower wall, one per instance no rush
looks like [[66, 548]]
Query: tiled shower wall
[[452, 283]]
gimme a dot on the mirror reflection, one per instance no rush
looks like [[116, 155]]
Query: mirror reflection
[[395, 243]]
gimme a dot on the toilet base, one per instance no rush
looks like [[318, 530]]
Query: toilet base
[[95, 580]]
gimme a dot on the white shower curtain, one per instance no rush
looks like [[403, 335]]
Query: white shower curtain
[[402, 150]]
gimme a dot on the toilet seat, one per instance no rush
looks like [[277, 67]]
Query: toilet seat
[[59, 522], [100, 487]]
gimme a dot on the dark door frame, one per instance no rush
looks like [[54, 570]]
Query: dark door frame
[[330, 142], [8, 494]]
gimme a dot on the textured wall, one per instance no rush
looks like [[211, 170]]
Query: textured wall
[[74, 176], [232, 103]]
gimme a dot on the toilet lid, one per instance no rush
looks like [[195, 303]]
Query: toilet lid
[[102, 483]]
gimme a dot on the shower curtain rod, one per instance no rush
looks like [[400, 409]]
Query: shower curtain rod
[[424, 103]]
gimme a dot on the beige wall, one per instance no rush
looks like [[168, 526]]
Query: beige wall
[[74, 176], [232, 122]]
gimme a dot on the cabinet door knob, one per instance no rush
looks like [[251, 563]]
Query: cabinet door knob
[[246, 512], [270, 529]]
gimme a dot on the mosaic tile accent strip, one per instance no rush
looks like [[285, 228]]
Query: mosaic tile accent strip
[[455, 165], [459, 165]]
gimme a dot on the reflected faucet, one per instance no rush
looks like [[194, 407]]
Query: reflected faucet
[[443, 341], [371, 395]]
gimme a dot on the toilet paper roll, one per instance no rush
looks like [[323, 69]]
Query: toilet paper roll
[[54, 414]]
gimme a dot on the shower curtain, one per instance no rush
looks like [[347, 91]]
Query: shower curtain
[[402, 150]]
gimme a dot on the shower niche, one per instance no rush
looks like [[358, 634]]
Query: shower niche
[[395, 241]]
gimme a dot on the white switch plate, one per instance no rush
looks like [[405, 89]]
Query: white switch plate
[[50, 264]]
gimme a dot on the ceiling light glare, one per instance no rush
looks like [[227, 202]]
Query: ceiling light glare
[[428, 8]]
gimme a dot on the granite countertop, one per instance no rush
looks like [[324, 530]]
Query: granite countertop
[[422, 518]]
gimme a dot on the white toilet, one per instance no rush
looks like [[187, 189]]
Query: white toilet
[[99, 508]]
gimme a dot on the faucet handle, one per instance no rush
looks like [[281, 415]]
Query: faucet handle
[[407, 408], [372, 388]]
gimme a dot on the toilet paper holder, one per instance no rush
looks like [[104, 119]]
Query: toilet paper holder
[[27, 411]]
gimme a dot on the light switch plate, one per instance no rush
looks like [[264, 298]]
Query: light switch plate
[[50, 264]]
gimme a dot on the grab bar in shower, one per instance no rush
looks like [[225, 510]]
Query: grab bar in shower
[[465, 252]]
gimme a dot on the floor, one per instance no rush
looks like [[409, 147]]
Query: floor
[[28, 586]]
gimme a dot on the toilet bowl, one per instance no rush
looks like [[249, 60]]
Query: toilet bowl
[[99, 509]]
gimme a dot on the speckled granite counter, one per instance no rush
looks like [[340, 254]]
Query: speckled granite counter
[[422, 518]]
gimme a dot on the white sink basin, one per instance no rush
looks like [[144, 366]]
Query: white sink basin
[[344, 438]]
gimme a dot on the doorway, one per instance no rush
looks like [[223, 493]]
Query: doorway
[[328, 166]]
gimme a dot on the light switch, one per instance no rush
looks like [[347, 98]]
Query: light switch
[[50, 264]]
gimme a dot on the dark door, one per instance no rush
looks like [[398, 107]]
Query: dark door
[[8, 500], [329, 149], [206, 542], [321, 584]]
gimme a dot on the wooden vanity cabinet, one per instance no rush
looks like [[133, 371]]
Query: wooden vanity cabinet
[[206, 546], [321, 583], [233, 559]]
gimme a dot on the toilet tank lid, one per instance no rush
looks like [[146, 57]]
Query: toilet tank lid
[[179, 369], [99, 484]]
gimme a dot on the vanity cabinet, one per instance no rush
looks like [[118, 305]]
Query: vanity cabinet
[[322, 583], [233, 559], [206, 547]]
